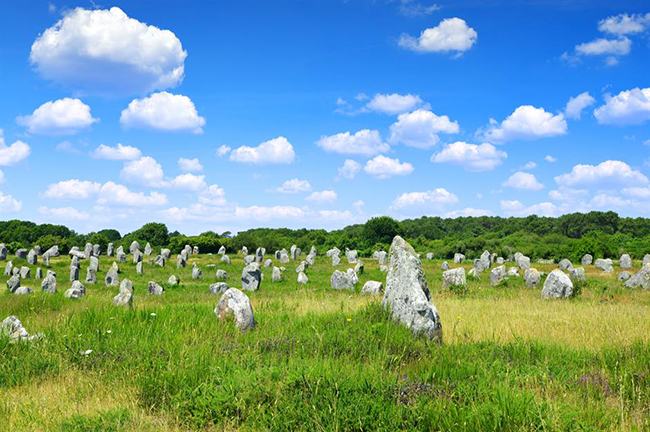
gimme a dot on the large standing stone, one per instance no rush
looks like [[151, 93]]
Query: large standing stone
[[557, 285], [646, 259], [154, 289], [3, 252], [641, 278], [9, 267], [197, 273], [284, 257], [359, 268], [372, 288], [276, 276], [125, 297], [21, 253], [340, 280], [13, 283], [587, 259], [222, 250], [218, 288], [91, 276], [454, 278], [74, 274], [93, 263], [523, 261], [458, 258], [295, 253], [139, 268], [112, 278], [352, 275], [166, 253], [23, 290], [565, 264], [109, 250], [159, 261], [251, 277], [173, 280], [25, 272], [624, 276], [486, 260], [77, 291], [225, 259], [49, 284], [137, 256], [498, 274], [604, 265], [244, 250], [382, 258], [134, 246], [532, 277], [88, 250], [236, 304], [625, 261], [195, 250], [444, 266], [12, 328], [148, 250], [336, 260], [249, 259], [39, 273], [351, 256], [97, 250], [302, 267], [302, 278], [32, 257], [268, 263], [259, 254], [407, 292], [181, 262]]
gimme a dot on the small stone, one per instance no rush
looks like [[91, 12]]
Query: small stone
[[221, 274], [372, 288], [153, 288], [218, 288], [236, 304]]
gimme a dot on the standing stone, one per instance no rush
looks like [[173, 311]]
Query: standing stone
[[49, 284], [429, 256], [641, 278], [23, 290], [138, 268], [121, 256], [3, 252], [251, 277], [32, 257], [486, 260], [21, 253], [236, 304], [500, 260], [532, 277], [195, 250], [16, 271], [148, 250], [125, 296], [134, 246], [225, 259], [25, 272], [284, 257], [74, 274], [577, 275], [359, 268], [372, 288], [112, 278], [137, 256], [221, 274], [383, 269], [166, 253], [8, 268], [587, 259], [268, 263], [249, 259], [625, 261], [479, 266], [75, 292], [523, 262], [244, 250], [498, 274], [444, 266], [458, 258], [218, 288], [46, 259], [12, 328], [39, 274], [303, 266], [109, 250], [407, 292], [557, 285], [340, 280], [154, 289], [222, 250], [88, 250], [336, 260], [97, 250], [624, 276], [13, 283], [302, 278], [565, 264], [382, 258], [197, 273], [295, 253], [351, 256], [646, 259], [259, 254], [352, 275], [159, 261], [173, 280], [276, 276], [93, 263], [454, 278], [91, 276], [605, 265], [181, 262]]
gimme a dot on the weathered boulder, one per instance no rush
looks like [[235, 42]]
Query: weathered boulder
[[577, 275], [640, 279], [218, 288], [173, 280], [458, 258], [513, 272], [333, 251], [249, 259], [154, 288], [225, 259], [39, 273], [646, 259], [444, 266], [112, 278], [302, 267], [340, 280], [195, 250], [244, 250], [473, 273], [359, 268], [604, 265], [523, 262], [557, 285], [625, 261], [97, 250], [139, 268], [91, 276], [3, 252], [109, 250], [21, 253], [564, 265], [276, 276], [137, 256], [234, 303], [32, 257], [74, 274], [23, 290], [302, 278], [123, 299], [134, 246], [352, 275], [25, 272], [181, 261], [221, 274], [93, 263], [372, 288], [498, 274], [336, 260], [486, 260], [197, 273], [77, 291], [454, 278], [351, 256], [9, 267], [268, 263], [251, 277], [587, 259], [429, 256], [12, 328], [49, 284], [383, 269], [13, 283], [624, 276], [382, 258], [500, 260], [407, 292], [222, 250]]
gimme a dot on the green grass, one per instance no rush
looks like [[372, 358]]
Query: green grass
[[321, 359]]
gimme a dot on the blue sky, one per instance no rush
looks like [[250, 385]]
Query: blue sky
[[232, 115]]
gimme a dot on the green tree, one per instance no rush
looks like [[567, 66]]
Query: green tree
[[380, 230]]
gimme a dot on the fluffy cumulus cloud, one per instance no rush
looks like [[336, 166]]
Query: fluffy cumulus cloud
[[384, 167], [611, 172], [72, 189], [516, 208], [190, 165], [276, 151], [112, 193], [144, 171], [189, 182], [467, 212], [451, 35], [14, 153], [60, 117], [394, 103], [625, 24], [574, 107], [9, 204], [119, 152], [433, 199], [223, 150], [523, 181], [349, 169], [213, 195], [105, 52], [294, 186], [323, 197], [601, 46], [550, 159], [420, 129], [63, 213], [526, 123], [629, 107], [472, 157], [365, 143], [164, 112]]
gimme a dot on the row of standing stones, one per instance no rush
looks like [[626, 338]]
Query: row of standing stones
[[406, 295]]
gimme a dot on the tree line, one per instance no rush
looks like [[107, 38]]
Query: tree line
[[602, 234]]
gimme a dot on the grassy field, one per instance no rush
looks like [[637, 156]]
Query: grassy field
[[320, 359]]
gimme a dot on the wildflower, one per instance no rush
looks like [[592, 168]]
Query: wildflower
[[348, 319], [153, 313], [109, 331], [86, 352]]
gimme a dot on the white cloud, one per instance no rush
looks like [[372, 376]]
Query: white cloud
[[472, 157], [336, 216], [629, 107], [601, 46], [578, 103], [468, 211], [294, 186], [63, 213], [326, 196], [72, 189], [16, 152], [516, 208], [189, 182], [394, 103], [349, 169], [566, 194], [523, 181], [60, 117], [112, 193], [437, 198], [384, 167], [452, 34], [412, 8], [2, 177], [223, 150], [365, 143], [420, 129], [119, 152], [213, 195], [164, 112], [528, 166], [625, 24], [526, 123], [66, 147], [8, 204], [550, 159], [260, 213], [189, 165], [144, 171], [637, 192], [106, 52], [611, 172], [276, 151]]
